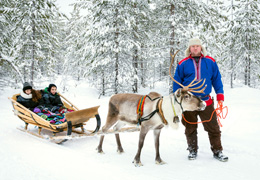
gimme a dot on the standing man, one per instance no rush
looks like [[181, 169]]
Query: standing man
[[197, 64]]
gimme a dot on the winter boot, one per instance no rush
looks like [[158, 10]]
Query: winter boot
[[192, 155], [220, 156]]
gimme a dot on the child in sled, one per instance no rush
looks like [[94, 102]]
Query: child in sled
[[54, 108], [30, 98]]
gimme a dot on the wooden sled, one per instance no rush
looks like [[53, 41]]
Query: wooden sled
[[75, 119]]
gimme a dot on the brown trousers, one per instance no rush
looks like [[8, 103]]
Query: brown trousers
[[211, 127]]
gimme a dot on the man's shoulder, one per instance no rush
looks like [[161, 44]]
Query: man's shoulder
[[183, 60], [210, 58]]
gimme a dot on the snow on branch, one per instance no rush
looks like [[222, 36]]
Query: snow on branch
[[10, 61]]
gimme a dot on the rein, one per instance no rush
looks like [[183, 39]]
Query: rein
[[219, 112], [178, 103]]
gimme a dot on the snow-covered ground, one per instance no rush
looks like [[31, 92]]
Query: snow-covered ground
[[23, 156]]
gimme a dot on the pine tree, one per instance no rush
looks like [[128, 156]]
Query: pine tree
[[117, 35], [243, 35], [76, 45], [30, 26], [132, 39], [177, 22]]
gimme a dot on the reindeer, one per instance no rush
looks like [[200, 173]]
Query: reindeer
[[158, 112]]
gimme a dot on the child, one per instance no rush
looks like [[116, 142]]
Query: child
[[29, 97], [52, 100]]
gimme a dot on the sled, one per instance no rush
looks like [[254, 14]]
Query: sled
[[75, 120]]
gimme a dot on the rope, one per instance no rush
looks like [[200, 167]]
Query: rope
[[219, 112], [173, 107]]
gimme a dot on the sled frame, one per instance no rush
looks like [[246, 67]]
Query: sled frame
[[31, 118]]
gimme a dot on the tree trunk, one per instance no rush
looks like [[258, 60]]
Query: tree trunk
[[246, 83], [171, 48], [135, 65], [135, 57], [142, 70], [249, 70], [116, 54], [103, 83], [33, 45], [232, 42]]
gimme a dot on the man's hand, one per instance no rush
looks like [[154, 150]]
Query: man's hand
[[220, 104]]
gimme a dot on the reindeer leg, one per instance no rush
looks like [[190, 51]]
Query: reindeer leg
[[119, 146], [117, 127], [110, 122], [142, 135], [157, 132], [99, 148]]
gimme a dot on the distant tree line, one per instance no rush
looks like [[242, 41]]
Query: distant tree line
[[124, 45]]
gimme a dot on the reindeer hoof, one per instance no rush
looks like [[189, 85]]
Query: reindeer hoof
[[120, 151], [137, 164], [100, 151], [160, 162]]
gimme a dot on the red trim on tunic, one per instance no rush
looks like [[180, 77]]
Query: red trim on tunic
[[220, 97], [211, 58], [183, 60]]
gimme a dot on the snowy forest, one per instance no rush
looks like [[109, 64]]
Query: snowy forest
[[124, 45]]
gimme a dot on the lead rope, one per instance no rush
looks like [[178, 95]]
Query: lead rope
[[173, 108], [175, 118], [219, 111]]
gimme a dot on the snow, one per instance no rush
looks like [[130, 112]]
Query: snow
[[23, 156], [65, 6]]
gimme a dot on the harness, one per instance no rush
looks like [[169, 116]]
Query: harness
[[140, 106], [159, 106], [158, 110], [178, 103]]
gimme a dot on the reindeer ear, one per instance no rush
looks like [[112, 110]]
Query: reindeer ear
[[178, 93]]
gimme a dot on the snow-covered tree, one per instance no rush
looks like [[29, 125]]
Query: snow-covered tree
[[242, 37], [118, 31], [76, 45], [175, 22], [30, 31]]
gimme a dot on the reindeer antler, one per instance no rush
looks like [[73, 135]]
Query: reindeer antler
[[188, 88]]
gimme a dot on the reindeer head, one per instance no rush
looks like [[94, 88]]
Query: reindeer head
[[181, 100], [188, 101]]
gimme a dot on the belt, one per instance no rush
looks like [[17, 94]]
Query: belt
[[203, 96]]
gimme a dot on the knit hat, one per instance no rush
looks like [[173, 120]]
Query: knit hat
[[195, 41], [26, 86], [50, 86]]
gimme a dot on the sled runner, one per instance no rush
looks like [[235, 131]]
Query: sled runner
[[76, 119]]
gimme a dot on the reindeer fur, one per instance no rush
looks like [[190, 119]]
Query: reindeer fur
[[122, 111]]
